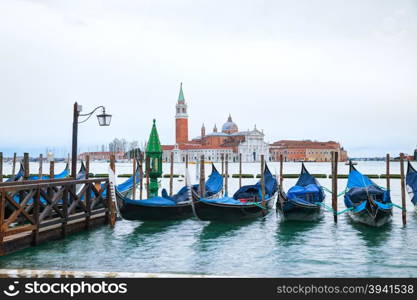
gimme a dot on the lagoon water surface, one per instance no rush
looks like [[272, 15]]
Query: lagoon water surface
[[262, 247]]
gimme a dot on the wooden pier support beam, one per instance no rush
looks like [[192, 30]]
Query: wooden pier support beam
[[240, 170], [226, 175], [171, 174], [87, 193], [403, 203], [36, 204], [2, 211], [387, 160], [335, 159], [26, 165], [202, 178], [222, 159], [148, 170]]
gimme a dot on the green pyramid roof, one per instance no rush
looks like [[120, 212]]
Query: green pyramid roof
[[181, 95], [154, 145]]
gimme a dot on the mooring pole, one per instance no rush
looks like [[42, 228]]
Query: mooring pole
[[40, 166], [335, 158], [134, 178], [263, 180], [88, 192], [76, 113], [111, 206], [202, 177], [148, 170], [222, 160], [51, 169], [403, 203], [87, 166], [141, 176], [1, 167], [14, 165], [388, 172], [281, 170], [240, 170], [171, 175], [226, 175], [26, 165]]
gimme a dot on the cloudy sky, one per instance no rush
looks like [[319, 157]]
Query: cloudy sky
[[321, 70]]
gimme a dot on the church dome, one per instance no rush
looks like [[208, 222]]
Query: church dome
[[229, 126]]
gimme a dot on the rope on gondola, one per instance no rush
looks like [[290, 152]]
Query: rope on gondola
[[398, 206], [324, 205], [345, 210], [329, 191], [259, 205]]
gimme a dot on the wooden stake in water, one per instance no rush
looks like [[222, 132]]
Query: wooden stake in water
[[387, 172], [171, 175], [335, 158], [111, 206], [51, 169], [141, 176], [148, 170], [222, 159], [403, 203], [226, 175], [134, 178], [40, 166], [26, 165], [263, 180], [281, 170], [87, 166], [14, 165], [202, 178], [240, 170]]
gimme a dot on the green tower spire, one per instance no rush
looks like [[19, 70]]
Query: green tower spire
[[154, 160], [181, 95]]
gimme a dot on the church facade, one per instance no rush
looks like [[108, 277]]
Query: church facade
[[227, 143]]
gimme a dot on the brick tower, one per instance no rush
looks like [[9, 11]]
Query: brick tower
[[181, 119]]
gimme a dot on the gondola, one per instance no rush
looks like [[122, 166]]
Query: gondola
[[368, 203], [18, 176], [246, 202], [165, 207], [213, 187], [63, 174], [302, 202], [411, 183]]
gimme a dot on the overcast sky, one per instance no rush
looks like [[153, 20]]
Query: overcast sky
[[320, 70]]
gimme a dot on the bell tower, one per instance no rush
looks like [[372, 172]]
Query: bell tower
[[181, 119]]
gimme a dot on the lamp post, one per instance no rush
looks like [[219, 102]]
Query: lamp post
[[103, 120]]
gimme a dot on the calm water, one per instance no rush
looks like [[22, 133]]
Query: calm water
[[264, 247]]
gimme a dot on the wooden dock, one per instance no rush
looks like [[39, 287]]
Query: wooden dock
[[37, 211]]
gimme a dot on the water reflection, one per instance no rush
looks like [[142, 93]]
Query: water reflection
[[215, 230], [372, 236], [290, 232]]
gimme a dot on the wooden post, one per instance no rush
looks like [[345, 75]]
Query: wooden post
[[64, 207], [14, 165], [141, 177], [388, 172], [88, 192], [240, 170], [226, 175], [186, 160], [403, 203], [222, 160], [202, 178], [40, 166], [148, 170], [281, 170], [1, 167], [51, 169], [262, 180], [111, 207], [335, 158], [26, 165], [171, 175], [134, 178]]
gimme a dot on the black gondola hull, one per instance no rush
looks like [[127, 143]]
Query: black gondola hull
[[374, 219], [223, 212], [153, 213]]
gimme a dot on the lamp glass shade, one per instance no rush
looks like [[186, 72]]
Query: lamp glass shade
[[104, 119]]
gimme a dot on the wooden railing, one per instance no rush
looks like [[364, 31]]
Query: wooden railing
[[27, 207]]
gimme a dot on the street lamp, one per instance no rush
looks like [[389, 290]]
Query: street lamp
[[103, 120]]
